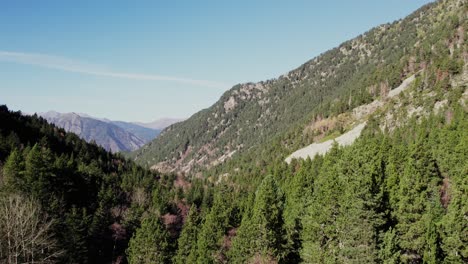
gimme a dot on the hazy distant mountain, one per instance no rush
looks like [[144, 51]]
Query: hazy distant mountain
[[160, 124], [145, 133], [105, 134], [112, 135]]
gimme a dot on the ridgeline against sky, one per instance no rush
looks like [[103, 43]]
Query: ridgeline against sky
[[153, 59]]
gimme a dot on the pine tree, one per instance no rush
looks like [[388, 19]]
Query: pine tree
[[212, 231], [263, 236], [39, 174], [358, 218], [150, 243], [297, 195], [13, 170], [99, 228], [242, 242], [454, 227], [417, 194], [389, 252], [452, 153], [319, 233], [75, 226], [188, 236]]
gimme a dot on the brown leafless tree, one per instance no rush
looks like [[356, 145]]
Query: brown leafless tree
[[25, 235]]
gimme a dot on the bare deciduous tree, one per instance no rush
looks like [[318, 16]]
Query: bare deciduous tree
[[25, 235]]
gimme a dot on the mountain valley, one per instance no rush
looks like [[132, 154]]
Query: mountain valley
[[359, 155]]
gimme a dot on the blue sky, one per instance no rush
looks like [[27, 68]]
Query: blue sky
[[144, 60]]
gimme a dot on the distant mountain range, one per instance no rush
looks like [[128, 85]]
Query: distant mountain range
[[159, 124], [114, 136]]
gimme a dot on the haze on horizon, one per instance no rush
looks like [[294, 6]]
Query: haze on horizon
[[143, 62]]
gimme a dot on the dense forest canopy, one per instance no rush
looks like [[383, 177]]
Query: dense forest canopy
[[86, 201]]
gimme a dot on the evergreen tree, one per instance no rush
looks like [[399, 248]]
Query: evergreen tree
[[298, 193], [39, 174], [150, 243], [263, 235], [358, 218], [13, 169], [319, 233], [212, 231], [417, 194], [454, 227], [186, 242], [242, 242], [75, 228], [389, 252], [452, 151]]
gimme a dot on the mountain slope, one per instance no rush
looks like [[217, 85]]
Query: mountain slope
[[358, 71], [396, 195], [108, 135], [80, 195], [358, 118]]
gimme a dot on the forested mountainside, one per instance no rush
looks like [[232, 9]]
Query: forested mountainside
[[64, 200], [114, 136], [249, 115], [398, 194]]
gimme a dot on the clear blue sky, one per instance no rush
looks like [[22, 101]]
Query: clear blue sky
[[143, 60]]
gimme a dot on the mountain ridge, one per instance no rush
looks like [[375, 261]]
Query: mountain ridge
[[115, 136], [248, 115]]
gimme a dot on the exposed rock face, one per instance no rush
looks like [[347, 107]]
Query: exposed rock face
[[322, 148], [230, 104]]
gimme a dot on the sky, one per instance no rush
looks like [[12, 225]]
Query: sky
[[145, 60]]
